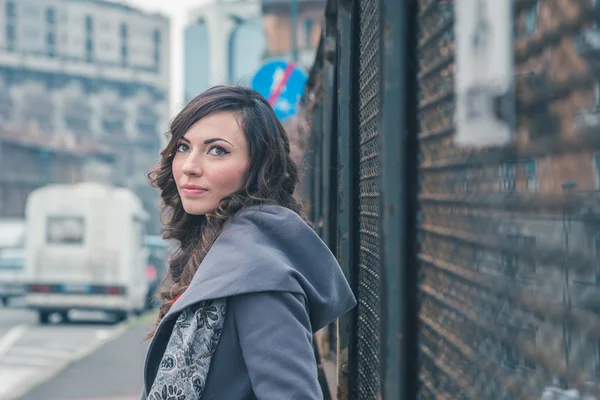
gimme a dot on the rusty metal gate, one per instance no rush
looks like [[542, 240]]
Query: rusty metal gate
[[477, 269]]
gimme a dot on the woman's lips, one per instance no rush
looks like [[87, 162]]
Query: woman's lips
[[193, 191]]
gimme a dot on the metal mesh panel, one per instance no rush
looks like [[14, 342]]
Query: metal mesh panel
[[368, 379], [509, 268]]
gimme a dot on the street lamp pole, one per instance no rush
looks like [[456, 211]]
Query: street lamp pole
[[568, 189], [294, 28]]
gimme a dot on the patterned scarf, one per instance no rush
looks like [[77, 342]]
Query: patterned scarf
[[185, 363]]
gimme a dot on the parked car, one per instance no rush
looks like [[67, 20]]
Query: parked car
[[12, 263], [12, 239], [156, 268]]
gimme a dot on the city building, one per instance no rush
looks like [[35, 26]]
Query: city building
[[28, 160], [278, 29], [510, 235], [88, 71], [224, 43]]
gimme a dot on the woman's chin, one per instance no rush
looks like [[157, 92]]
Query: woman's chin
[[198, 209]]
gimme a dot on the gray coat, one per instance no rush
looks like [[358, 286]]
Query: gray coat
[[282, 284]]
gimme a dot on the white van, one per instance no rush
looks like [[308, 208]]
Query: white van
[[84, 250]]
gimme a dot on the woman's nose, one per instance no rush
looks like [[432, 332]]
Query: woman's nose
[[192, 166]]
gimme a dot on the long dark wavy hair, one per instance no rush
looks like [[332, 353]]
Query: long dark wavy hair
[[271, 178]]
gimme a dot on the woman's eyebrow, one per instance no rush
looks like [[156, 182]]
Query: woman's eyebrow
[[185, 139], [209, 141]]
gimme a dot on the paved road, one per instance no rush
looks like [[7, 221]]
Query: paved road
[[11, 317], [31, 353], [113, 372]]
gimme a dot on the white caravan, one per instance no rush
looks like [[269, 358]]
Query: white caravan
[[84, 250]]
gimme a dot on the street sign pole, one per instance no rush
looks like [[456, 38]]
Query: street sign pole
[[294, 28]]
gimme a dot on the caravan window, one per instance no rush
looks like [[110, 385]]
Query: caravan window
[[65, 230]]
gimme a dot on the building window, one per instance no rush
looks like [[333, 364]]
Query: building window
[[11, 37], [89, 25], [463, 180], [50, 16], [511, 356], [51, 44], [124, 50], [78, 115], [531, 177], [508, 173], [157, 40], [11, 9], [89, 41], [11, 31], [11, 34], [512, 264], [531, 18], [51, 33], [157, 58], [308, 32], [147, 120], [89, 50], [124, 55]]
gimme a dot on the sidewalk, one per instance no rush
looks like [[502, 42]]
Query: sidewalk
[[114, 372]]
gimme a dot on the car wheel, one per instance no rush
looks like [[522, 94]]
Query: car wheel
[[121, 316], [64, 317], [44, 317]]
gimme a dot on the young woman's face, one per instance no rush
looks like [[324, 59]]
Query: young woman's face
[[210, 162]]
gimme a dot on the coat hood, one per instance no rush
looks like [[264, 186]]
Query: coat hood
[[270, 248]]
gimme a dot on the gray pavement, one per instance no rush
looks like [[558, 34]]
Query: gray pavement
[[112, 372], [13, 316], [31, 354]]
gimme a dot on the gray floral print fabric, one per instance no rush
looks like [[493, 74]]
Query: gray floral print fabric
[[185, 363]]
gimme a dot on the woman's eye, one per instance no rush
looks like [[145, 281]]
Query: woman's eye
[[217, 151], [182, 148]]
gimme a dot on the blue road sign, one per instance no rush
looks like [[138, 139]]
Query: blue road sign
[[282, 84]]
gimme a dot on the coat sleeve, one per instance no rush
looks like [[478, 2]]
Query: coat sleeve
[[276, 341]]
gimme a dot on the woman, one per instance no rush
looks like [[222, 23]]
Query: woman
[[250, 282]]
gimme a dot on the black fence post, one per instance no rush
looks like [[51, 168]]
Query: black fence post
[[316, 132], [347, 228], [398, 201], [327, 136]]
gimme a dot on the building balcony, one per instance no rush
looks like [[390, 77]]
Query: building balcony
[[587, 119], [586, 295], [269, 6], [306, 56], [588, 206], [587, 43]]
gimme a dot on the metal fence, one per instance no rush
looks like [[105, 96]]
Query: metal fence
[[477, 270]]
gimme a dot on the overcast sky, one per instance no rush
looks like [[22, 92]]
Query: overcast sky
[[176, 10]]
